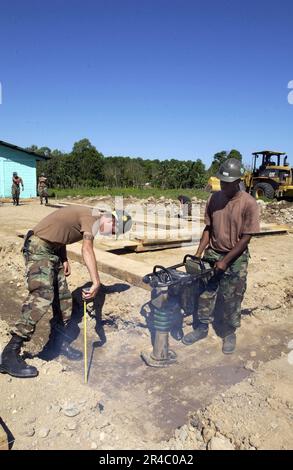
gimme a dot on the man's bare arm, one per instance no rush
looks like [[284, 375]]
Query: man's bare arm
[[204, 241], [89, 257], [238, 249]]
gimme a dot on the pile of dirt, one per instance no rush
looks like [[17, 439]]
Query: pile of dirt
[[150, 204], [270, 299], [254, 414], [12, 267], [280, 212], [4, 332], [128, 200], [10, 254]]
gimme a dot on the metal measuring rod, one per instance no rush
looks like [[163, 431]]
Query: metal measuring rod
[[85, 290]]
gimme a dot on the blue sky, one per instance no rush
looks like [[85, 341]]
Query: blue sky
[[149, 78]]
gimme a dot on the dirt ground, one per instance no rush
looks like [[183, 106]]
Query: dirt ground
[[205, 401]]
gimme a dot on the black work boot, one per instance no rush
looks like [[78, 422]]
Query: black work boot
[[11, 362], [62, 342], [71, 353], [229, 343], [199, 333], [177, 333], [59, 345]]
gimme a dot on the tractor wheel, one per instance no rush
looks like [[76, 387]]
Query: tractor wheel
[[263, 190]]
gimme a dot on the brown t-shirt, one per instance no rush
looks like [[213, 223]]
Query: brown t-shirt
[[229, 219], [67, 225]]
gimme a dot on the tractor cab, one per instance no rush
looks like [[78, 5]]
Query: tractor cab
[[273, 164], [270, 177]]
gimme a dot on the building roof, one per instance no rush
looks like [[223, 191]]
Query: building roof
[[15, 147], [268, 152]]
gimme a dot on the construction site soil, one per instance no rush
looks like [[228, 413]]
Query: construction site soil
[[206, 401]]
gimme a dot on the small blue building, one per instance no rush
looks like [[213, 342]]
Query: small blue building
[[13, 158]]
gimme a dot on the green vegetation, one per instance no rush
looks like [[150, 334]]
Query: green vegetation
[[86, 167], [126, 192]]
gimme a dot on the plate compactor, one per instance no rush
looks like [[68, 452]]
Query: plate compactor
[[174, 292]]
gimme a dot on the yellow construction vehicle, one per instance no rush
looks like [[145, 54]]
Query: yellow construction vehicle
[[273, 178], [213, 184]]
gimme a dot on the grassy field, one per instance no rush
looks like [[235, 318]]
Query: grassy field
[[125, 192]]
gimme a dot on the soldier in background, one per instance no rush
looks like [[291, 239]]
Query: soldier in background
[[15, 188], [43, 188], [185, 207]]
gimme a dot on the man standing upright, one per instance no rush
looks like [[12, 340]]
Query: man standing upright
[[231, 217], [15, 188], [43, 188]]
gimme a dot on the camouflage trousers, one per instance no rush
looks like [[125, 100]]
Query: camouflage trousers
[[231, 285], [47, 287], [43, 191], [15, 191]]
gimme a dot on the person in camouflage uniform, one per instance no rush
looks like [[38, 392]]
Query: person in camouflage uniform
[[43, 188], [47, 286], [232, 286], [185, 206], [231, 218], [15, 188], [47, 267]]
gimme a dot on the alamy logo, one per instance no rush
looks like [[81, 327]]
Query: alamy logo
[[290, 95], [152, 220]]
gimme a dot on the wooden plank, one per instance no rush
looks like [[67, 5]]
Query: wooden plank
[[138, 246], [110, 244], [143, 248], [56, 205], [270, 232], [146, 222], [60, 205], [271, 229], [165, 241], [164, 234], [125, 269]]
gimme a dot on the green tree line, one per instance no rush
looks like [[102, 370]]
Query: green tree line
[[85, 166]]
